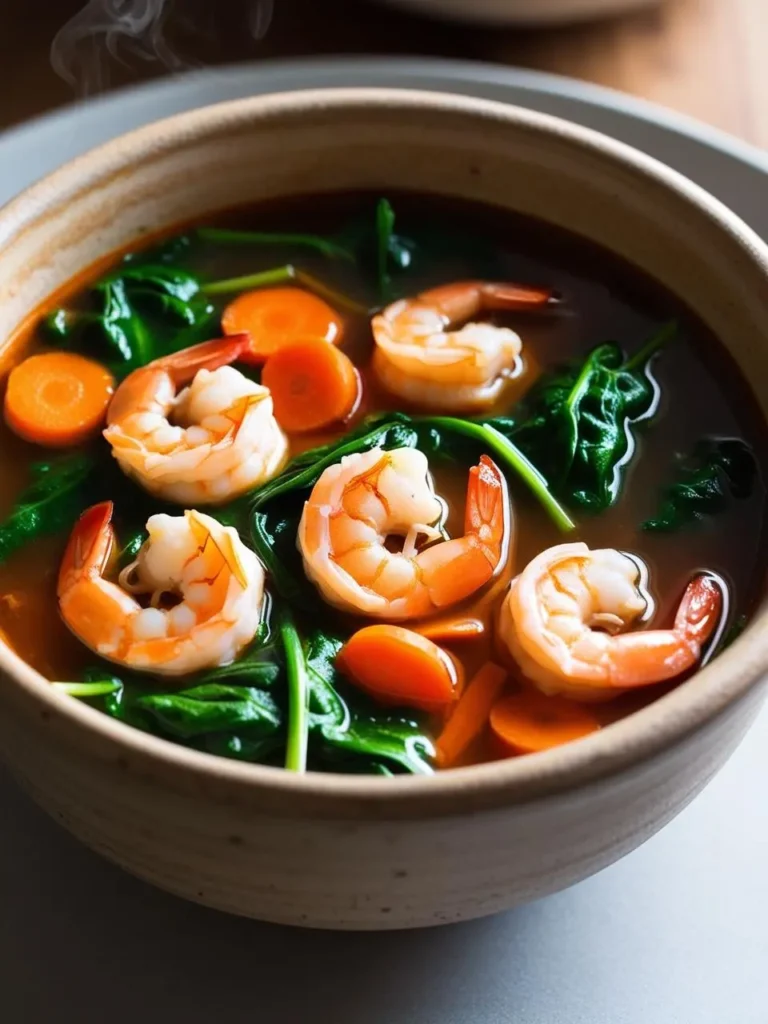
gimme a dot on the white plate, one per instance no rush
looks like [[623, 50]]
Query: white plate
[[673, 934]]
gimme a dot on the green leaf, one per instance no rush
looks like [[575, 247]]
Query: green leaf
[[349, 731], [212, 708], [391, 249], [718, 470], [51, 504], [580, 426], [137, 313], [389, 739]]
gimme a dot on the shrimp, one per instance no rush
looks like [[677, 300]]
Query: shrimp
[[563, 616], [217, 581], [368, 497], [418, 358], [211, 442]]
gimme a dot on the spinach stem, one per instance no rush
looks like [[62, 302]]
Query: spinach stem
[[323, 245], [282, 275], [277, 275], [659, 339], [298, 698], [99, 689], [511, 457]]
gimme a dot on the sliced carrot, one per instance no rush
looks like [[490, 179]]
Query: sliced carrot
[[397, 666], [57, 399], [528, 722], [452, 630], [470, 716], [275, 317], [313, 385]]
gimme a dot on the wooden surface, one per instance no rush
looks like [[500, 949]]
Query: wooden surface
[[706, 58]]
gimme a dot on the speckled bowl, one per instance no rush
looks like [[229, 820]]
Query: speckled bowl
[[357, 852]]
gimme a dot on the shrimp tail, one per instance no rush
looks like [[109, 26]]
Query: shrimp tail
[[487, 508], [700, 609], [516, 297], [457, 568], [89, 547], [209, 355]]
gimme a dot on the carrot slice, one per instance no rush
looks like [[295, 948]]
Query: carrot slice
[[470, 716], [397, 666], [57, 399], [275, 317], [528, 722], [452, 630], [313, 385]]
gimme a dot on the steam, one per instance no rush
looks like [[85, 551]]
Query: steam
[[106, 31]]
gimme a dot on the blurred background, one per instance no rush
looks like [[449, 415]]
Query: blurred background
[[705, 58]]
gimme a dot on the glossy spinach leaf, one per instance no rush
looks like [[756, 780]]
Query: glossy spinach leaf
[[212, 708], [578, 426], [718, 470], [137, 313], [378, 249], [57, 494], [346, 727], [391, 249]]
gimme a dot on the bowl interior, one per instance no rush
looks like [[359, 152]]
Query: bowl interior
[[300, 143]]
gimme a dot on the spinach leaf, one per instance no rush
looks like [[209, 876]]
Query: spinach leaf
[[138, 312], [346, 727], [397, 741], [579, 427], [212, 708], [51, 504], [377, 248], [391, 249], [718, 470], [294, 711]]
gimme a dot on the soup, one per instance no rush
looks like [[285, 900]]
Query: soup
[[371, 485]]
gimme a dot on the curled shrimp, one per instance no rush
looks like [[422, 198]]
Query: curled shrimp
[[563, 619], [217, 582], [420, 358], [362, 502], [206, 444]]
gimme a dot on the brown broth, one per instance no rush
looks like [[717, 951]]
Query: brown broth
[[604, 299]]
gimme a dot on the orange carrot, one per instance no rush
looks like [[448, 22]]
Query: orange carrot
[[275, 317], [313, 385], [397, 666], [452, 630], [528, 722], [470, 716], [57, 399]]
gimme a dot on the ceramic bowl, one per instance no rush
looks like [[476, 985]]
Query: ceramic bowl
[[364, 852]]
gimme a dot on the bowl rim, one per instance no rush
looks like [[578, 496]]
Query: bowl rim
[[659, 726]]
